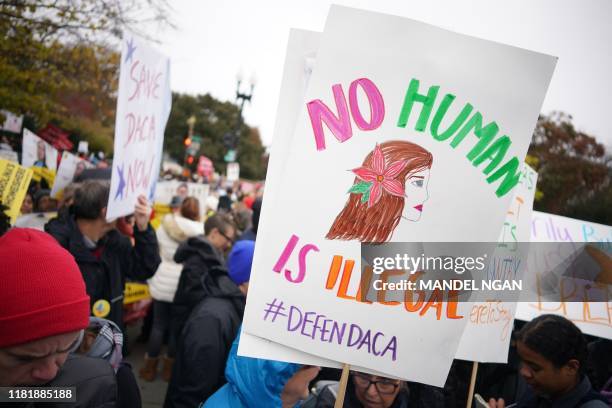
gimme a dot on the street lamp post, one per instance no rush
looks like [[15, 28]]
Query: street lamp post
[[241, 97]]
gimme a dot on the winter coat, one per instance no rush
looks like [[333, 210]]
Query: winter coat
[[206, 341], [251, 382], [95, 383], [105, 276], [582, 396], [198, 257], [173, 230]]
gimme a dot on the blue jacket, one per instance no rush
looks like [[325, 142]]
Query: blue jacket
[[251, 382]]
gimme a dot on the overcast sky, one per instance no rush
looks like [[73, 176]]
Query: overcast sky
[[216, 39]]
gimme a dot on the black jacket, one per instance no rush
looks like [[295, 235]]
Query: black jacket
[[205, 342], [93, 378], [198, 256], [105, 277]]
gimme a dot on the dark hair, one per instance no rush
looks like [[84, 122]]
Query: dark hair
[[90, 198], [5, 221], [218, 221], [555, 338], [190, 208]]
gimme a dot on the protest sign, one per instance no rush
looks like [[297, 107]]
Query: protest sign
[[594, 318], [9, 155], [70, 167], [12, 123], [233, 171], [83, 147], [355, 331], [36, 152], [486, 337], [143, 106], [14, 182], [167, 189]]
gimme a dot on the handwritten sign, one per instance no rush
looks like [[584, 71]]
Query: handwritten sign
[[37, 153], [70, 167], [413, 166], [593, 318], [167, 189], [486, 337], [233, 171], [143, 106], [14, 182]]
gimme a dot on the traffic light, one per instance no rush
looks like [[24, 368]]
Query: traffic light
[[229, 140], [190, 159], [187, 141]]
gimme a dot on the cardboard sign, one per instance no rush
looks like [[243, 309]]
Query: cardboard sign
[[167, 189], [486, 337], [37, 153], [403, 136], [233, 172], [70, 167], [14, 182], [594, 318], [143, 106]]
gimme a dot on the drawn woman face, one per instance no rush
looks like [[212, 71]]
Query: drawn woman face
[[416, 194]]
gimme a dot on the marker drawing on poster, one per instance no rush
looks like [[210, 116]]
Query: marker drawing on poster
[[143, 107], [435, 144]]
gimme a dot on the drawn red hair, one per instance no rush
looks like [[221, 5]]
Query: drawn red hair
[[377, 223]]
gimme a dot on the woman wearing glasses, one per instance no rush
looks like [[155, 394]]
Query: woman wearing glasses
[[371, 391]]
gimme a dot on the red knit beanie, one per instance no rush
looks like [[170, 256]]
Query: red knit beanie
[[42, 292]]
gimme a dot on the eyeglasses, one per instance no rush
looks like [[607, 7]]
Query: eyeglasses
[[382, 386], [230, 240]]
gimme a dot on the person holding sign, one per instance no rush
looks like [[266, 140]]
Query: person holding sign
[[105, 256], [554, 354]]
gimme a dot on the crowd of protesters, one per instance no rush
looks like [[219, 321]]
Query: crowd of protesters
[[198, 269]]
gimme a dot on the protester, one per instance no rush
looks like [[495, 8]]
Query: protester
[[5, 220], [106, 257], [553, 352], [225, 201], [371, 391], [199, 255], [103, 339], [255, 383], [251, 233], [43, 311], [43, 202], [174, 229], [28, 204], [208, 334]]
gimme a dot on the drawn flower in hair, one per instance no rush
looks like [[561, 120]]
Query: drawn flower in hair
[[377, 178]]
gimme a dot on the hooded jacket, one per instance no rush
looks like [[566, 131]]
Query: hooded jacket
[[251, 382], [173, 230], [205, 341], [105, 276]]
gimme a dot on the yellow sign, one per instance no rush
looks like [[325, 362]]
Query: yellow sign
[[43, 173], [101, 308], [134, 292], [14, 182]]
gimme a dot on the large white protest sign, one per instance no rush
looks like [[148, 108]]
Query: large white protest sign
[[593, 318], [70, 167], [143, 106], [291, 296], [486, 337], [37, 152]]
